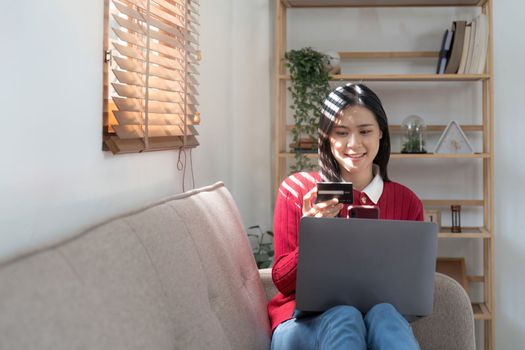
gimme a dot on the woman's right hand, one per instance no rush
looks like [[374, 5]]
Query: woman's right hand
[[327, 209]]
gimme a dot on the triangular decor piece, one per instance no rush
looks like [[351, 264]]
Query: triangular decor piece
[[453, 140]]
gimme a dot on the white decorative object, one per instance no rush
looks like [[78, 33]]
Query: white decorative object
[[414, 134], [453, 140], [334, 67]]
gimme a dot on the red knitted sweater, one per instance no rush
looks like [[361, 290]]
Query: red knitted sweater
[[396, 203]]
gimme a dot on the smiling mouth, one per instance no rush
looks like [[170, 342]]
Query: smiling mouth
[[356, 156]]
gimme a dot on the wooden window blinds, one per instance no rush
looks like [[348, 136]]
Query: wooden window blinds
[[151, 55]]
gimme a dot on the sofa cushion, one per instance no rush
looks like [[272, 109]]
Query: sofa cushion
[[177, 274], [450, 326]]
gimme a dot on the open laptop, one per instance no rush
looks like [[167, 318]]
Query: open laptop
[[364, 262]]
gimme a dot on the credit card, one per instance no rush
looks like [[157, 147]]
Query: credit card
[[343, 191]]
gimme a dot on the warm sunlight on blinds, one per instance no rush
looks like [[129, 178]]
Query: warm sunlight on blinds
[[150, 85]]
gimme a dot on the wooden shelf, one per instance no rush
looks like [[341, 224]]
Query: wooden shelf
[[358, 55], [396, 129], [380, 3], [291, 155], [438, 128], [403, 77], [467, 232], [407, 156], [481, 312], [476, 279], [449, 202], [438, 156]]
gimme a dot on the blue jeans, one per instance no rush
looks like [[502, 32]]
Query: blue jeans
[[344, 327]]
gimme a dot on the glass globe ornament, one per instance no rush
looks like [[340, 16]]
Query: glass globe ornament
[[413, 128]]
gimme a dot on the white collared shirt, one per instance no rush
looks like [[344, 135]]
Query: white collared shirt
[[374, 189]]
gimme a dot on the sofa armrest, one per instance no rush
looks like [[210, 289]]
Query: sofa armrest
[[451, 325], [269, 288]]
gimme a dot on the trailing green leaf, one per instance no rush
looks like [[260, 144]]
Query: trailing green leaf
[[309, 87]]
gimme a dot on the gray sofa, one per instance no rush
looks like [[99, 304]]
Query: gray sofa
[[178, 274]]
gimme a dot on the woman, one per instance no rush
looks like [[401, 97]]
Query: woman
[[354, 146]]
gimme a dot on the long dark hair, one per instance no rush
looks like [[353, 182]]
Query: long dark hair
[[334, 105]]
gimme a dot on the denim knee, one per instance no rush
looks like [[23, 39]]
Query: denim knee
[[344, 312], [381, 309], [387, 329], [342, 327]]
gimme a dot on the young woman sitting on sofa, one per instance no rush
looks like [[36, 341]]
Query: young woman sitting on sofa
[[354, 146]]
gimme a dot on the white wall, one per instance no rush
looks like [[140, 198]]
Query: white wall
[[509, 49], [250, 86], [54, 178]]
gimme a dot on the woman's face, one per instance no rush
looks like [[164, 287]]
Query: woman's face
[[354, 141]]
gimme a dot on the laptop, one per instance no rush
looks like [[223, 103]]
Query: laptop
[[364, 262]]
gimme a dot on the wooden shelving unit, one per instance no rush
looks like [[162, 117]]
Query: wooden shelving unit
[[408, 156], [396, 129], [403, 77], [483, 311], [466, 232], [380, 3]]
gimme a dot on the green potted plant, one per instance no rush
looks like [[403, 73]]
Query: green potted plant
[[262, 246], [309, 86]]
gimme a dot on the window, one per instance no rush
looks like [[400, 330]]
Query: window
[[150, 91]]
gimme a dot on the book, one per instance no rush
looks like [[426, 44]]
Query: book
[[458, 27], [444, 52], [476, 51], [473, 28], [478, 46], [483, 46], [466, 41]]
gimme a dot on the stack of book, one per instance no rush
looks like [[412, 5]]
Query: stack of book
[[464, 47]]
